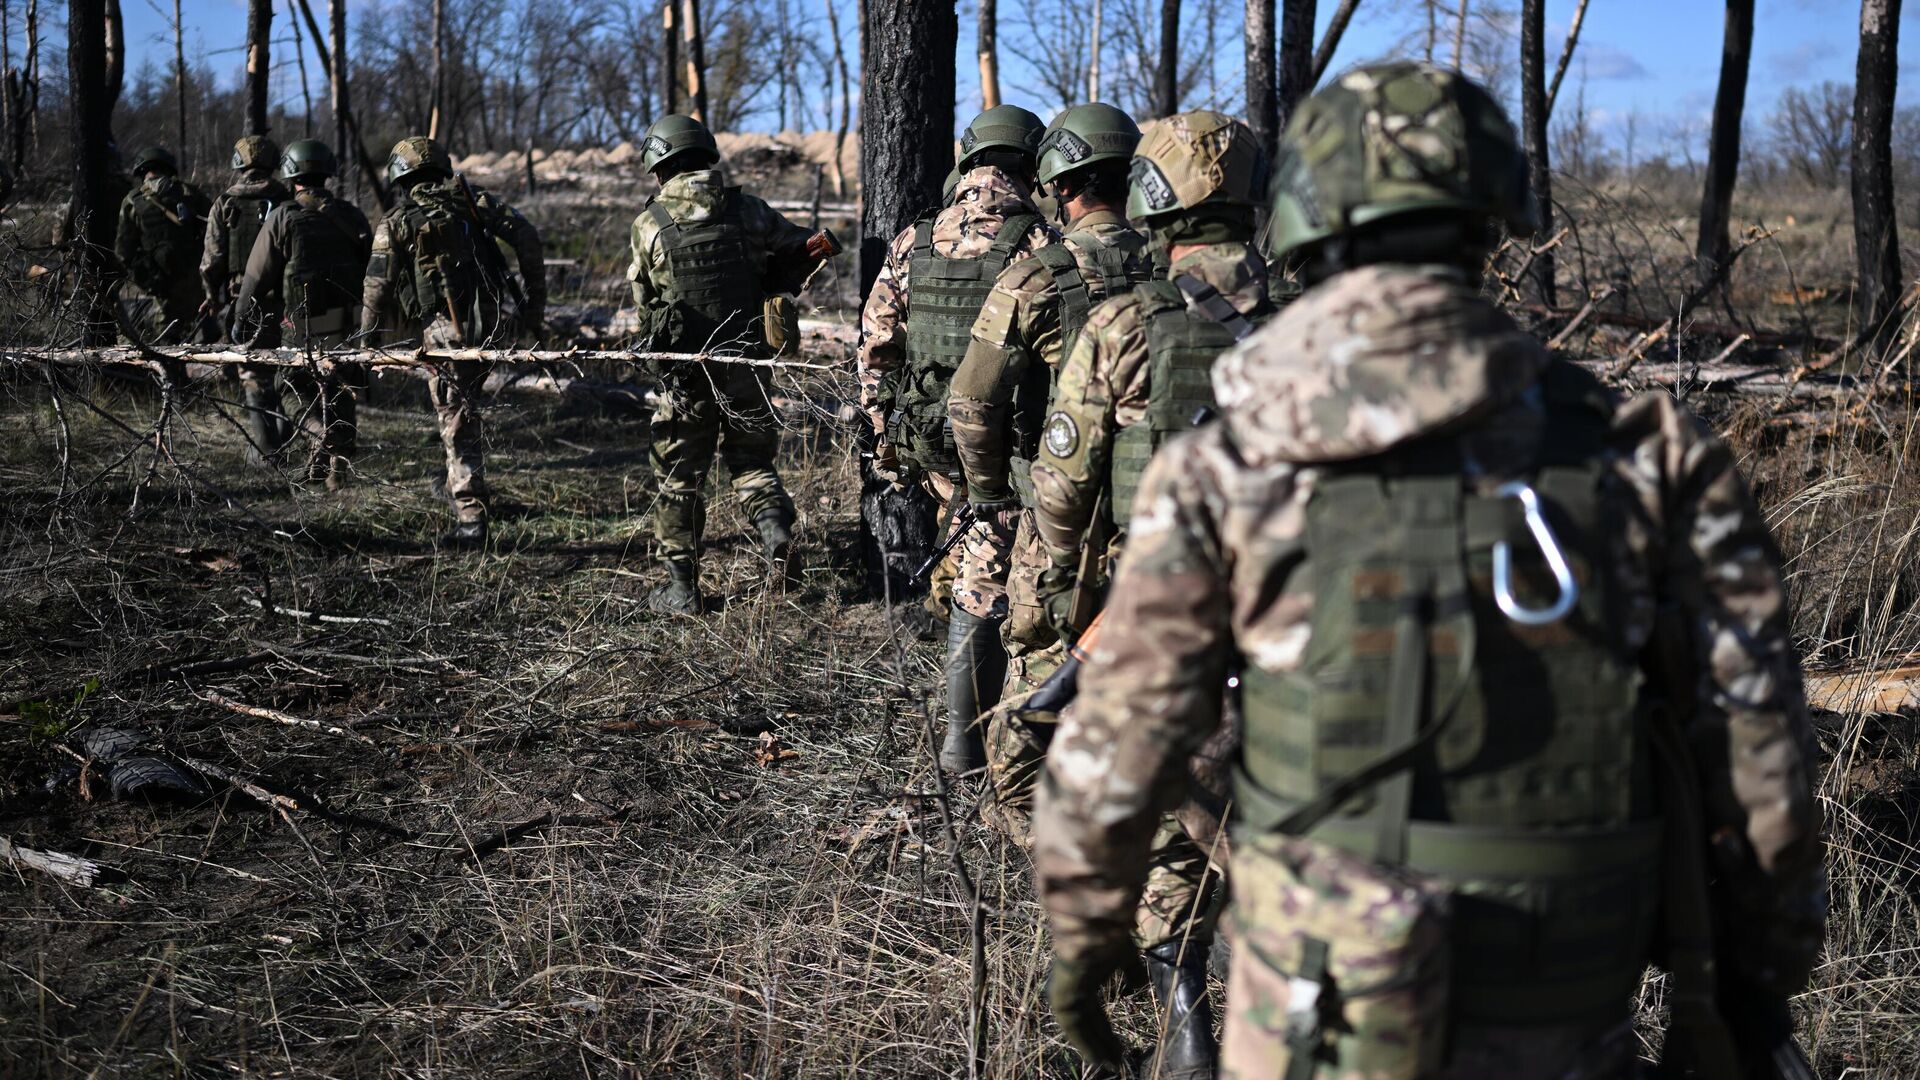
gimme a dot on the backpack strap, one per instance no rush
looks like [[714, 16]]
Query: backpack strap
[[923, 238], [1205, 301], [1013, 233]]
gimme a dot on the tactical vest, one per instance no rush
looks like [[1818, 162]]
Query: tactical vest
[[447, 274], [716, 294], [946, 297], [243, 216], [1117, 265], [326, 262], [172, 233], [1183, 341], [1426, 728]]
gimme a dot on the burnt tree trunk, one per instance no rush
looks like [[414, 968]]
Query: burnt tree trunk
[[335, 60], [906, 148], [988, 47], [1330, 41], [1876, 241], [179, 77], [670, 21], [1296, 57], [1166, 78], [259, 63], [1723, 146], [846, 101], [91, 126], [1533, 119], [116, 52], [696, 35], [1263, 108], [435, 116]]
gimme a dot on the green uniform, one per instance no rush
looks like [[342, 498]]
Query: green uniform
[[161, 229]]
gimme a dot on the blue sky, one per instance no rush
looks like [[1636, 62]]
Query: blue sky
[[1655, 58]]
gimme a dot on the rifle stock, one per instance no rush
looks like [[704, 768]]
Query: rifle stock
[[1086, 587]]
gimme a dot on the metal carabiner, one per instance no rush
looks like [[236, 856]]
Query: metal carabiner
[[1510, 606]]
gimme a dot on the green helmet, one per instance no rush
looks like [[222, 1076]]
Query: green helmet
[[254, 152], [1085, 135], [946, 186], [1193, 158], [1396, 138], [675, 136], [155, 159], [416, 158], [308, 159], [1003, 127]]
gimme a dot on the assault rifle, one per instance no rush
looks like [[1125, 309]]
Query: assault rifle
[[963, 520], [1061, 687], [489, 249]]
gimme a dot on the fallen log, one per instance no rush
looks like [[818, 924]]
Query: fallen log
[[1889, 690], [220, 356], [71, 869]]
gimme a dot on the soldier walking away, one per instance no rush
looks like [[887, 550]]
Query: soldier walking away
[[711, 267], [306, 272], [914, 332], [1522, 709], [438, 270], [1025, 330], [163, 224], [233, 223], [1137, 377]]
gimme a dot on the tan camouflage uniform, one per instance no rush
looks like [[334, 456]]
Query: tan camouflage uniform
[[983, 200], [1364, 362], [702, 407]]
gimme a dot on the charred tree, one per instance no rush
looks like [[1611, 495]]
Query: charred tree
[[335, 61], [669, 20], [179, 77], [116, 52], [1166, 76], [1723, 146], [1875, 238], [846, 101], [906, 148], [436, 115], [1296, 57], [1330, 41], [696, 60], [1263, 108], [91, 126], [988, 47], [259, 63], [1533, 119], [352, 138]]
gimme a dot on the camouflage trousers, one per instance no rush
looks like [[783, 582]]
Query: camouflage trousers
[[326, 409], [1033, 649], [456, 389], [702, 409]]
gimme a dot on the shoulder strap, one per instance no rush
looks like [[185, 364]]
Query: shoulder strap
[[923, 238], [660, 216], [1205, 301], [1013, 232]]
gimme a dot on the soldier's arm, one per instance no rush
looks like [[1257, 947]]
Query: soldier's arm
[[789, 260], [980, 400], [1750, 727], [640, 266], [213, 258], [1149, 695], [528, 249], [377, 289], [126, 240], [883, 326], [1076, 445], [265, 267]]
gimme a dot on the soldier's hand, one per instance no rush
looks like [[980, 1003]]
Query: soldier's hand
[[886, 465], [1003, 513], [1074, 993], [1056, 590]]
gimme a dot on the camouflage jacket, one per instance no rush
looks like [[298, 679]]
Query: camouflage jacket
[[215, 259], [1362, 363], [162, 225], [779, 255], [393, 247], [982, 201], [267, 262], [1104, 388], [1018, 326]]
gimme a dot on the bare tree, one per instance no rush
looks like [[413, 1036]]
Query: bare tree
[[1723, 148], [1876, 238], [1566, 54], [1330, 41], [1460, 37], [668, 19], [1533, 121], [1296, 56], [306, 91], [437, 113], [694, 36], [1812, 131], [1166, 94], [1095, 40], [116, 26], [1263, 108], [337, 71], [179, 77], [846, 101], [91, 122], [989, 52], [6, 67], [259, 63]]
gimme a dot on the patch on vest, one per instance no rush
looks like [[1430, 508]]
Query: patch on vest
[[1062, 435]]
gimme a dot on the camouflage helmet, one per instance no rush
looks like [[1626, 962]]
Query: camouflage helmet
[[1086, 135], [1396, 138], [417, 157], [155, 159], [1193, 158], [675, 136], [254, 152], [1003, 127], [308, 159]]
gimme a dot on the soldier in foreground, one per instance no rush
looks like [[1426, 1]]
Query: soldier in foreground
[[233, 223], [707, 258], [1456, 577], [306, 271], [1023, 334], [914, 331], [438, 267], [1137, 376], [162, 225]]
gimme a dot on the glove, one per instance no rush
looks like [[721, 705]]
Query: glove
[[1003, 513], [886, 465], [1056, 591], [1074, 986]]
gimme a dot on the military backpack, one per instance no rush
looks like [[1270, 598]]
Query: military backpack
[[716, 297], [242, 217], [326, 260], [172, 220], [456, 269]]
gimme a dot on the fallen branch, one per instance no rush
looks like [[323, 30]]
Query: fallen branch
[[509, 833], [218, 356], [71, 869], [279, 717], [297, 613]]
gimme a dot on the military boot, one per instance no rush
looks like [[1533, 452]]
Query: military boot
[[776, 543], [1186, 1050], [266, 429], [466, 535], [681, 594], [976, 666]]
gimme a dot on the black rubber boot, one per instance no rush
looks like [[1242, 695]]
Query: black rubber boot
[[776, 543], [1186, 1050], [681, 594], [976, 668]]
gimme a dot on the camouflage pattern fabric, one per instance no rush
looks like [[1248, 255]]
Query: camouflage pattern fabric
[[216, 256], [980, 573], [1363, 362], [1033, 649], [456, 392], [982, 201], [161, 227]]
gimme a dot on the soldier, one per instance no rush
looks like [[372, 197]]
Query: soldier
[[306, 271], [706, 259], [438, 266], [162, 226], [1136, 377], [1444, 563], [1024, 332], [232, 225], [914, 332]]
